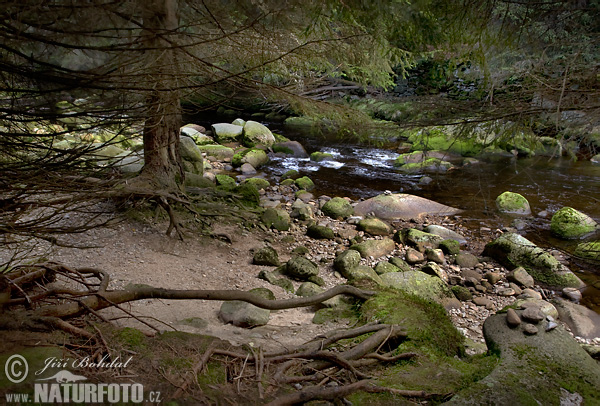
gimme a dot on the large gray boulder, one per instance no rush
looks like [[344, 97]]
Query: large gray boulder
[[189, 150], [547, 368], [401, 206], [225, 132], [255, 133], [570, 224], [582, 321], [244, 314], [293, 148], [514, 250]]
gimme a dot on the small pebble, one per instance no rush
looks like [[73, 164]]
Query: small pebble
[[530, 329]]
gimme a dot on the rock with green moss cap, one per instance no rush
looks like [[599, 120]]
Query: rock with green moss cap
[[513, 250], [218, 151], [428, 165], [305, 183], [337, 208], [569, 223], [288, 182], [308, 289], [225, 132], [255, 133], [293, 148], [226, 181], [362, 272], [276, 218], [318, 156], [401, 264], [374, 226], [320, 232], [291, 174], [266, 256], [375, 248], [589, 251], [301, 268], [513, 203], [417, 238], [462, 293], [347, 260], [450, 247], [419, 284], [253, 156], [548, 368], [259, 183]]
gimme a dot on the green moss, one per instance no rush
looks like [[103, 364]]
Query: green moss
[[292, 173], [131, 337], [226, 181], [439, 138], [590, 251], [338, 208], [248, 194], [285, 150], [336, 315], [320, 156], [509, 202], [305, 183], [259, 183], [569, 223]]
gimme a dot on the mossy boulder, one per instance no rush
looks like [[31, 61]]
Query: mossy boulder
[[513, 250], [401, 264], [589, 251], [225, 181], [305, 183], [276, 218], [189, 150], [362, 272], [445, 233], [266, 256], [375, 248], [195, 180], [419, 284], [225, 132], [293, 148], [439, 138], [299, 122], [374, 226], [569, 223], [337, 208], [513, 203], [220, 152], [548, 368], [301, 268], [291, 174], [345, 261], [450, 247], [318, 156], [255, 133], [417, 238], [253, 156], [428, 165], [462, 293], [259, 183], [320, 232]]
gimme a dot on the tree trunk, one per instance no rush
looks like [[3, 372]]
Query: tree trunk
[[161, 129]]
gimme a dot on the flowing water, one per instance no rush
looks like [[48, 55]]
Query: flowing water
[[363, 171]]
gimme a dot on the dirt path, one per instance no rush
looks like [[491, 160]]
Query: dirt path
[[142, 254]]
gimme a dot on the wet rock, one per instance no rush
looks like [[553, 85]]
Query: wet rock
[[337, 208], [513, 250], [569, 223], [374, 248], [301, 268], [513, 203], [401, 206], [293, 148], [445, 233], [414, 257], [533, 315], [266, 256], [225, 132], [466, 260], [572, 294], [374, 226], [435, 255], [417, 238], [530, 329]]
